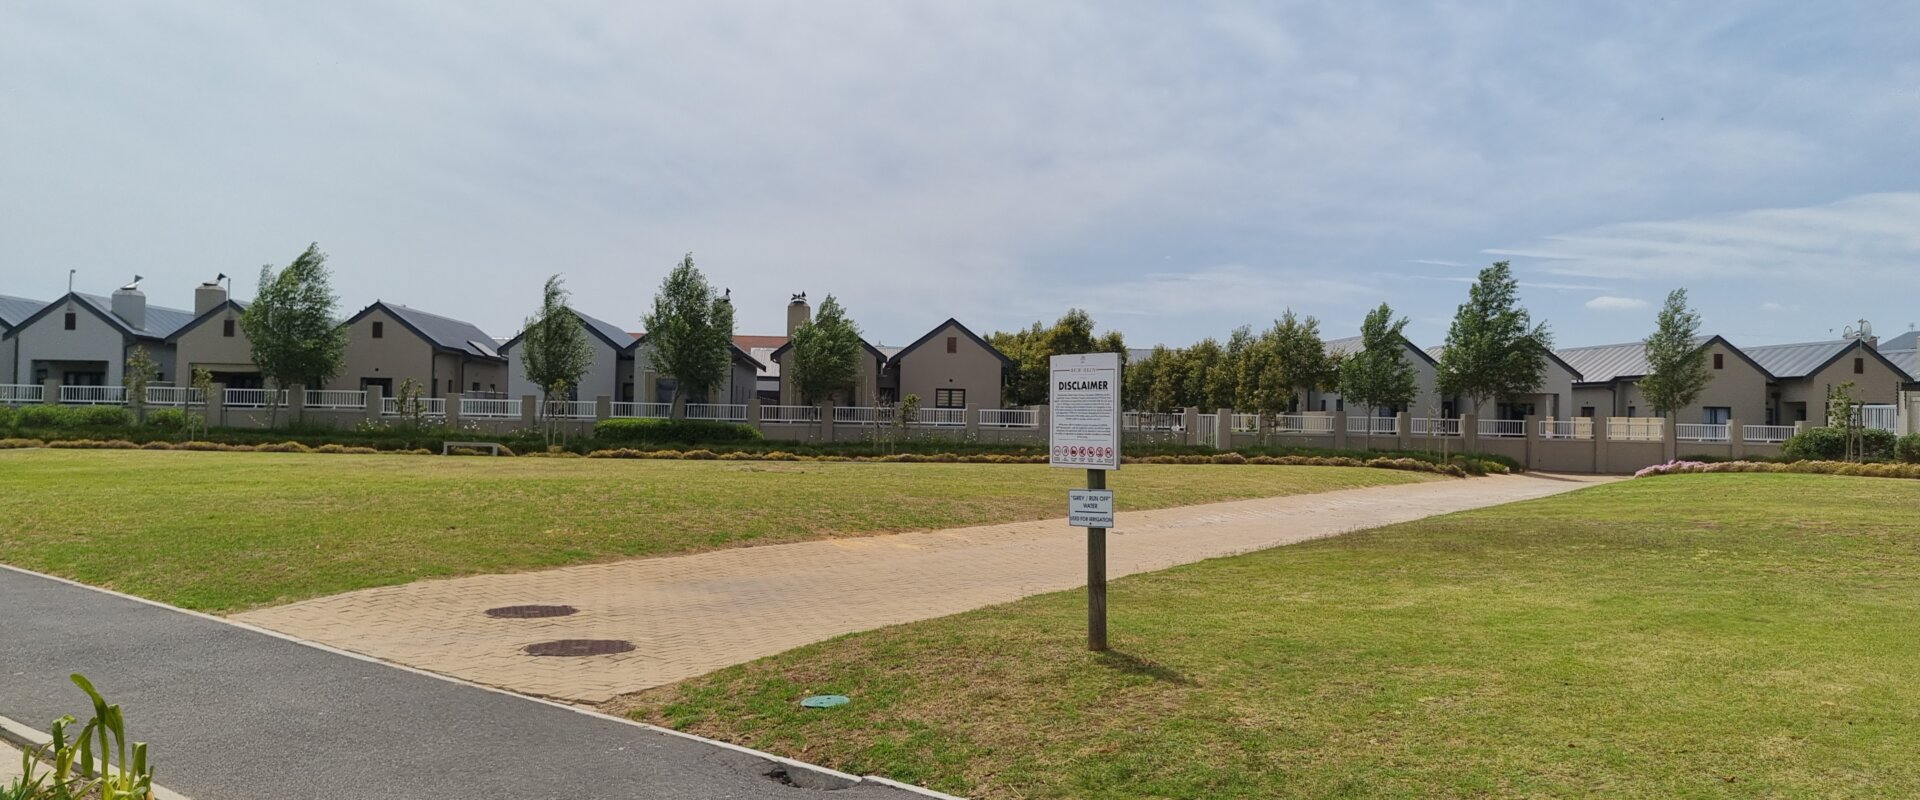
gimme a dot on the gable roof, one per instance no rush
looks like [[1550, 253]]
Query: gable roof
[[1907, 360], [874, 351], [14, 310], [738, 354], [444, 333], [1351, 344], [893, 359], [1608, 363], [161, 320], [1789, 361], [1437, 350], [237, 305], [1908, 340], [618, 339]]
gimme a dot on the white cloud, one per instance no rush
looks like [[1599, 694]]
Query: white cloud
[[1607, 302]]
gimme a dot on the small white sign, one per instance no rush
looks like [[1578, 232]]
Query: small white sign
[[1083, 393], [1090, 508]]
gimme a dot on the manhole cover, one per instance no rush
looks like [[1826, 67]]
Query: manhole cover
[[531, 612], [579, 647]]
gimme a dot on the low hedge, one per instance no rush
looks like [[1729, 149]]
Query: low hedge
[[1864, 470], [1830, 444], [677, 431], [47, 416]]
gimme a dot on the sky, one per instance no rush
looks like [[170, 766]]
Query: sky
[[1176, 169]]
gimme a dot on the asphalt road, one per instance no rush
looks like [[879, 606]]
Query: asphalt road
[[231, 714]]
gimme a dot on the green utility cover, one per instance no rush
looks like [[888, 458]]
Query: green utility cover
[[824, 701]]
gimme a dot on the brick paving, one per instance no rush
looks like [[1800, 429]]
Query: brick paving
[[690, 615]]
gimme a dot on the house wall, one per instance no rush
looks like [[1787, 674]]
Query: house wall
[[1426, 398], [1875, 385], [970, 367], [8, 347], [1555, 398], [92, 339], [866, 388], [207, 347], [1737, 385], [398, 355], [736, 387], [465, 372], [603, 375]]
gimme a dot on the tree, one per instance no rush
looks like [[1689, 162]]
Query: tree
[[1493, 350], [1204, 364], [826, 355], [1677, 362], [1285, 359], [554, 351], [203, 389], [290, 326], [1032, 348], [1137, 381], [139, 372], [1378, 374], [690, 332]]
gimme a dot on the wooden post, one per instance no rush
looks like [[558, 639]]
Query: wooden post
[[1097, 573]]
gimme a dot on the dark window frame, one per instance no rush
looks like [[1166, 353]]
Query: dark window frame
[[379, 329], [944, 398]]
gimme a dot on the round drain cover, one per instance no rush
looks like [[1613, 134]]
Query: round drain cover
[[531, 612], [579, 647]]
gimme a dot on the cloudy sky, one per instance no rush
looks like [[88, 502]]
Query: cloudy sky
[[1174, 168]]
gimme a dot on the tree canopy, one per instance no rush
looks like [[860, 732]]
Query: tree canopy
[[825, 358], [1677, 363], [690, 332], [291, 323], [1378, 375], [1032, 348], [1493, 350], [554, 351]]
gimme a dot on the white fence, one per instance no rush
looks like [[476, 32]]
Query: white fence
[[174, 396], [1434, 426], [16, 393], [1152, 421], [484, 407], [569, 409], [424, 406], [722, 412], [1886, 418], [789, 413], [1503, 428], [942, 417], [1303, 423], [87, 395], [254, 398], [1766, 434], [1208, 430], [336, 398], [1376, 426], [1246, 423], [1580, 428], [1699, 432], [1009, 418], [1636, 429], [642, 410]]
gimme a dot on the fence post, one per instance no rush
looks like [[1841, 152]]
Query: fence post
[[217, 406], [529, 412], [1340, 429], [826, 421], [973, 422], [297, 403], [1042, 423], [1533, 438], [1736, 439], [1403, 430], [453, 409], [753, 415], [1223, 429], [50, 391], [602, 407], [1669, 446], [1600, 432], [376, 403], [1469, 433], [1190, 422]]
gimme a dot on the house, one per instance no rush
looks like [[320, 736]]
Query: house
[[83, 339], [1804, 374], [1554, 400], [873, 363], [1426, 398], [388, 343], [766, 383], [949, 367], [13, 311], [1611, 375], [609, 371], [736, 388], [214, 341]]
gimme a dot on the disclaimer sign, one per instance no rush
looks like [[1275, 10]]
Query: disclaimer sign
[[1087, 508], [1084, 393]]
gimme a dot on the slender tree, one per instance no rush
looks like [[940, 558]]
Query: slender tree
[[290, 326], [554, 351], [1378, 374], [826, 355], [690, 332], [1493, 350], [203, 388], [1677, 362], [138, 373]]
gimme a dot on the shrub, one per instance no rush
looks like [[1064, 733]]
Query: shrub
[[103, 417], [6, 417], [167, 419], [1907, 448], [675, 431], [1830, 444], [41, 416]]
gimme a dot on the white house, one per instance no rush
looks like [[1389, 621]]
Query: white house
[[609, 371], [84, 339]]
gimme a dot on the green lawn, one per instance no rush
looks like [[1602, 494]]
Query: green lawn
[[228, 531], [1689, 636]]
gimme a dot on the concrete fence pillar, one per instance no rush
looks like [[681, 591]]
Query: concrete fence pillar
[[1190, 422], [753, 415], [1223, 429], [376, 403], [1532, 434], [453, 410], [297, 403], [602, 407], [826, 421], [217, 406], [1469, 433], [1403, 430], [972, 422], [1799, 427], [1042, 423], [1600, 457], [50, 391], [1736, 439], [529, 411], [1339, 430]]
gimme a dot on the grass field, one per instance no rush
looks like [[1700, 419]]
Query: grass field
[[228, 531], [1691, 636]]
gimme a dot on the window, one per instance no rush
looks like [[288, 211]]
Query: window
[[1632, 412], [1859, 366], [949, 398], [476, 386], [1719, 360], [449, 386], [379, 329], [953, 344], [73, 320], [1586, 411], [1716, 415], [226, 329]]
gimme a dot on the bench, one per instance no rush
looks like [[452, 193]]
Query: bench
[[491, 447]]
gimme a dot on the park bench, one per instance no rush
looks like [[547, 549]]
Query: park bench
[[493, 448]]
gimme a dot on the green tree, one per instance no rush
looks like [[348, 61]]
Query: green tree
[[825, 358], [1677, 362], [1136, 382], [1286, 359], [1032, 348], [690, 332], [1168, 389], [1205, 361], [1378, 374], [1843, 415], [137, 374], [202, 388], [554, 351], [1493, 350], [290, 326]]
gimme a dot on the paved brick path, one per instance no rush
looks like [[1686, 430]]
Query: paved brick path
[[690, 615]]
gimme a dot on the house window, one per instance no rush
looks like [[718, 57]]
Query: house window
[[379, 329], [1719, 360], [1716, 415], [953, 344], [449, 386], [1859, 366], [1632, 412], [226, 328], [476, 386], [1586, 411], [73, 320], [949, 398]]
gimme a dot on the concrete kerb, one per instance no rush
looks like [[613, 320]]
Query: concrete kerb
[[802, 774], [27, 737]]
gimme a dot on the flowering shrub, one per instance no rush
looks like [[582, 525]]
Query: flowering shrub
[[1883, 470]]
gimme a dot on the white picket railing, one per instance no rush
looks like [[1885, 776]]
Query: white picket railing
[[1766, 434], [1377, 426], [17, 393], [425, 406], [642, 410], [1302, 423], [1435, 426], [254, 398], [1246, 423], [721, 412], [1152, 421], [1503, 428], [1699, 432], [336, 398], [789, 413], [1207, 429], [862, 415], [487, 407], [1880, 417], [1009, 418], [88, 395], [942, 417], [1636, 429], [174, 396], [1580, 428], [563, 409]]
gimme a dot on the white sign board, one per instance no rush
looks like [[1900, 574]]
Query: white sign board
[[1083, 391], [1089, 508]]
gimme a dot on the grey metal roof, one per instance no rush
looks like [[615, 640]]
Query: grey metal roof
[[15, 309], [1605, 362], [1349, 345], [1796, 360], [161, 320], [615, 336], [1909, 340], [1907, 360], [446, 332]]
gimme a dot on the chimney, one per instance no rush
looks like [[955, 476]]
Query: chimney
[[208, 296], [798, 312], [130, 305]]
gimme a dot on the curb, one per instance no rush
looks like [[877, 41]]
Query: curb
[[818, 776], [27, 737]]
